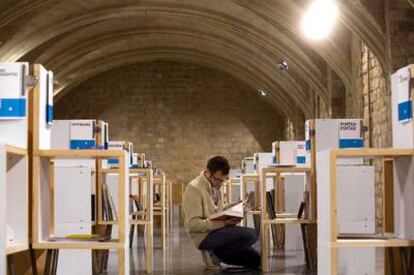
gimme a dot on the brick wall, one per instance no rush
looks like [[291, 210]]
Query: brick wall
[[179, 114], [372, 104]]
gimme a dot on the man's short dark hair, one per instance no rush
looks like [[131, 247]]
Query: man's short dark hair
[[218, 163]]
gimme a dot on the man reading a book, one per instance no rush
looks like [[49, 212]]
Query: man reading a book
[[221, 238]]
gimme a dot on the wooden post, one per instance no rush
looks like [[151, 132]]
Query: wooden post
[[150, 221], [264, 225]]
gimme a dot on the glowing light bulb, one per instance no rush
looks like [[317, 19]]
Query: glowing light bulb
[[319, 19], [261, 92]]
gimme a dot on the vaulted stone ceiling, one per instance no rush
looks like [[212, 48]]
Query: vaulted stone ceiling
[[79, 39]]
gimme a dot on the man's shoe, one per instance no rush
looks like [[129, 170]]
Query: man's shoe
[[210, 260]]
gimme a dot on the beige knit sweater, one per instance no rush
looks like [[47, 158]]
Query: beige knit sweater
[[198, 205]]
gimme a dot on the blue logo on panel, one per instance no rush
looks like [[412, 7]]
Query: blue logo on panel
[[13, 107], [301, 159], [113, 161], [351, 143], [49, 114], [308, 145], [82, 144], [405, 110]]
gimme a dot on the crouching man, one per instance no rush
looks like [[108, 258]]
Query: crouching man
[[222, 241]]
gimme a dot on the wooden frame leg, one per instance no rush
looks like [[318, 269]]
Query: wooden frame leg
[[11, 268], [33, 259], [47, 270], [305, 239], [149, 247], [411, 260], [403, 253], [391, 263], [55, 254], [265, 247]]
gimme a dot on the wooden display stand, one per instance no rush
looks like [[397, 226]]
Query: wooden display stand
[[42, 177], [250, 179], [403, 188], [161, 209], [14, 208], [14, 165], [170, 206], [308, 233], [43, 202], [144, 176], [177, 199], [229, 189], [281, 218]]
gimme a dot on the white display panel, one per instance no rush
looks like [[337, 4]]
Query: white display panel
[[14, 196], [45, 128], [401, 108], [73, 216], [404, 197], [290, 153], [13, 104], [294, 186], [262, 160], [356, 184], [119, 145], [73, 195], [336, 133], [248, 166], [73, 134], [60, 135], [348, 178], [3, 227]]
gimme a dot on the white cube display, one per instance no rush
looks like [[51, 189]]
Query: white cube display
[[13, 104], [119, 145], [73, 215], [401, 108], [335, 133], [356, 218], [261, 160], [248, 166], [290, 153]]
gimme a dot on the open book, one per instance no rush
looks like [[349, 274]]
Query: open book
[[235, 211]]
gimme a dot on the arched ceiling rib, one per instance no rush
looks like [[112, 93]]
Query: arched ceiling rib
[[251, 32], [180, 55], [109, 44], [101, 16]]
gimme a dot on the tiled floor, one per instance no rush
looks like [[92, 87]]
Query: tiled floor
[[181, 257]]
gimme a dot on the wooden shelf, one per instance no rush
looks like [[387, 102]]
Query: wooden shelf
[[254, 211], [250, 177], [139, 222], [109, 170], [139, 170], [286, 215], [288, 221], [14, 150], [279, 170], [366, 243], [76, 244], [79, 153], [371, 153], [15, 248]]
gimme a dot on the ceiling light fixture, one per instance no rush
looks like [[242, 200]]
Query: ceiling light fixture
[[319, 19], [261, 92], [283, 65]]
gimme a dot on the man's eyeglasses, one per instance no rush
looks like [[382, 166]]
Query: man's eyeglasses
[[218, 179]]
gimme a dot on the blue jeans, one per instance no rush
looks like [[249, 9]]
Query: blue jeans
[[233, 245]]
